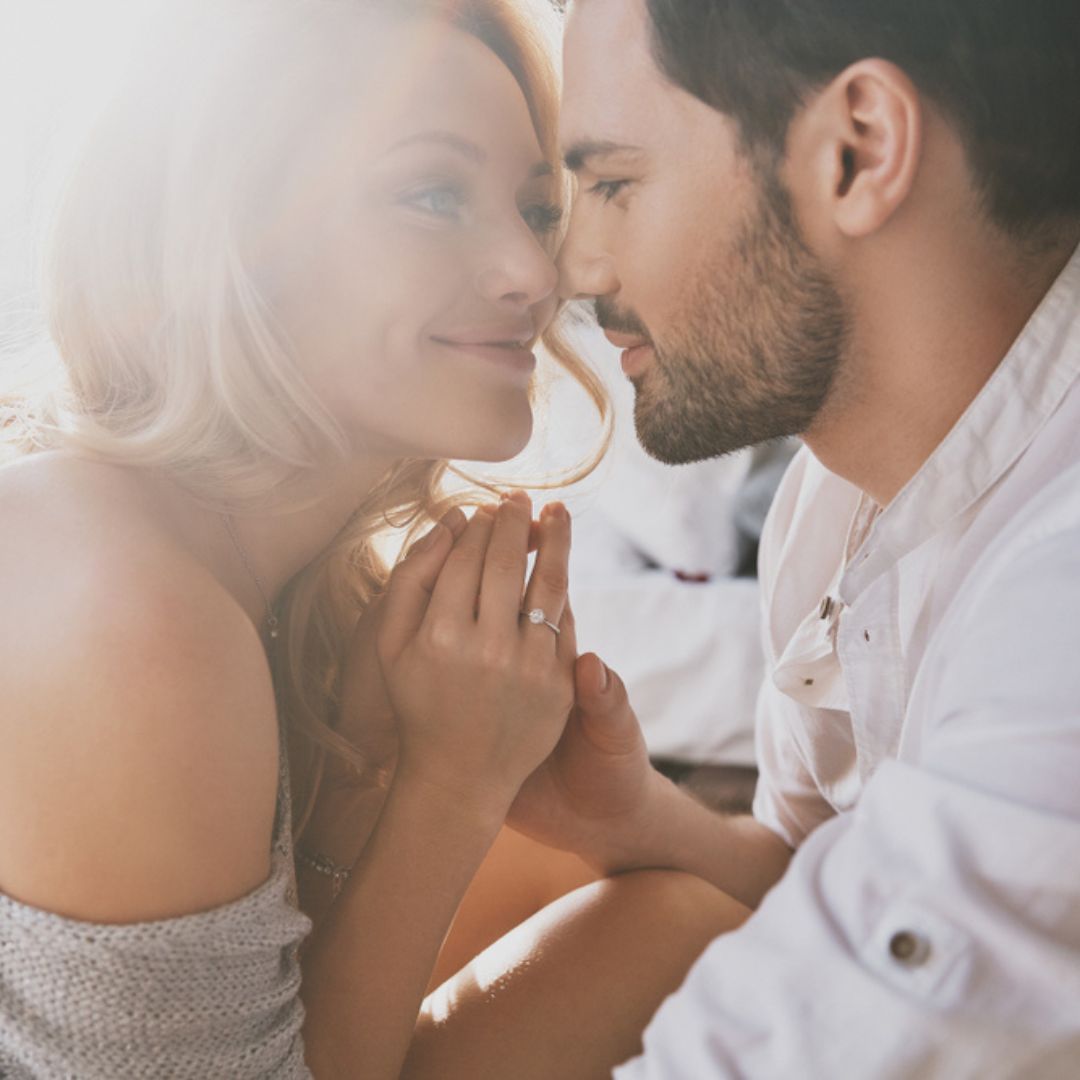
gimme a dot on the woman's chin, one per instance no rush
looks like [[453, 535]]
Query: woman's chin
[[499, 442]]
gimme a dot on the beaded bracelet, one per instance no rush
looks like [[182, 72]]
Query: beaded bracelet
[[323, 864]]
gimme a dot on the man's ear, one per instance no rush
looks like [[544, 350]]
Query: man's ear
[[867, 136]]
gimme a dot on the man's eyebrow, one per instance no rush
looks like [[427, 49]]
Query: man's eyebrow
[[581, 152], [444, 138]]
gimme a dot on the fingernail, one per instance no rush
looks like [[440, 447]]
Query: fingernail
[[605, 677], [557, 511], [427, 539], [453, 520]]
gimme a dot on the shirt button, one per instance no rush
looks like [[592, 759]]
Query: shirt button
[[909, 948]]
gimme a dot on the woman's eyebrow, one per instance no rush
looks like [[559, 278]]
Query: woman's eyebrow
[[463, 146], [466, 148]]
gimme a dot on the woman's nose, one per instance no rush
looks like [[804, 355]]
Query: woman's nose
[[517, 269]]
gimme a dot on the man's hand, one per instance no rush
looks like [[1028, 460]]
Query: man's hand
[[595, 793]]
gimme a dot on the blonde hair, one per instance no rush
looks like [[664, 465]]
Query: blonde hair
[[172, 359]]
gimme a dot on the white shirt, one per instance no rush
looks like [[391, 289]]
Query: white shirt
[[920, 746]]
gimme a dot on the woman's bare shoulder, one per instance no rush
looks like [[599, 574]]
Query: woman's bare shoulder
[[140, 743]]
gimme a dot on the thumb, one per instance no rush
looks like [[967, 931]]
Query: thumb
[[597, 686], [405, 602], [603, 706]]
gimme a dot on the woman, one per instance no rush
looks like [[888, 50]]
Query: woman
[[303, 260]]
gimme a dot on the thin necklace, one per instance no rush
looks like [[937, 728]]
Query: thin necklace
[[271, 622]]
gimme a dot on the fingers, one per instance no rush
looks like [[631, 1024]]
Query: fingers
[[402, 608], [454, 595], [566, 646], [484, 572], [505, 564], [548, 583], [453, 519]]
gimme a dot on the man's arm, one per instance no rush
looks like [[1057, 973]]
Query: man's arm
[[599, 796], [737, 854], [934, 929]]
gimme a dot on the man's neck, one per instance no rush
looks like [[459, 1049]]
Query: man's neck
[[932, 324]]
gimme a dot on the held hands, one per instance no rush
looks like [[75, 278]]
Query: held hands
[[481, 694], [595, 791], [596, 794]]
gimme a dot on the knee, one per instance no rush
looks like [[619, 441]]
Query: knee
[[667, 897]]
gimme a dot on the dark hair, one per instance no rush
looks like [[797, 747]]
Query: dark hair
[[1004, 73]]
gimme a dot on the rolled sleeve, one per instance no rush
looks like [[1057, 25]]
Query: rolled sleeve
[[787, 799]]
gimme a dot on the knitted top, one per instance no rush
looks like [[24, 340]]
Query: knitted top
[[202, 996]]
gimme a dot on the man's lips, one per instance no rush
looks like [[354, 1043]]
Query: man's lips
[[636, 351], [626, 341]]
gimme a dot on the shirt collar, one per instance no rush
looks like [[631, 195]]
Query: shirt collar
[[1006, 415]]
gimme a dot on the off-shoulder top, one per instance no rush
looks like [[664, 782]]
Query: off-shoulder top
[[202, 996]]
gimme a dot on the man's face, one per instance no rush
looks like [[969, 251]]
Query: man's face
[[688, 243]]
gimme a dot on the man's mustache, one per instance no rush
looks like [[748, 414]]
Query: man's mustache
[[620, 321]]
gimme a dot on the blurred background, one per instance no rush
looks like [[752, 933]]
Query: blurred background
[[58, 61]]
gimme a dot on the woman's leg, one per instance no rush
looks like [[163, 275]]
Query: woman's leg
[[568, 993], [518, 878]]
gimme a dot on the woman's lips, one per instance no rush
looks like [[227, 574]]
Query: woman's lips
[[511, 356]]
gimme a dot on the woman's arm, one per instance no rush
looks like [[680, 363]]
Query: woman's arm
[[366, 969], [482, 698]]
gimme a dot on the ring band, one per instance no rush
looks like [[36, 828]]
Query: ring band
[[538, 618]]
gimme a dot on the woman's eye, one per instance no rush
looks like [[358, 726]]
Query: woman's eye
[[608, 189], [543, 218], [443, 201]]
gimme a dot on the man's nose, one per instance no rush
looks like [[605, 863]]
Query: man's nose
[[586, 268]]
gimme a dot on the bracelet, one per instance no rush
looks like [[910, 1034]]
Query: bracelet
[[323, 864]]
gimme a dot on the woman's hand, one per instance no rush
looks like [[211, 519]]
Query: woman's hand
[[481, 694], [367, 718], [349, 802]]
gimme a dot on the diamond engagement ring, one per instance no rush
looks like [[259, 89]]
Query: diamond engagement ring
[[538, 618]]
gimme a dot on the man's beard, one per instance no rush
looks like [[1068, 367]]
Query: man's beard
[[755, 351]]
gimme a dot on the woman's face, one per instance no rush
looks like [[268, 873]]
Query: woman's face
[[408, 260]]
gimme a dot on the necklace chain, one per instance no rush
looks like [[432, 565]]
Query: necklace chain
[[271, 621]]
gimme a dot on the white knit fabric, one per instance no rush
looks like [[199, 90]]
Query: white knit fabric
[[199, 997]]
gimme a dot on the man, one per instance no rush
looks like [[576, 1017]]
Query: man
[[856, 222]]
